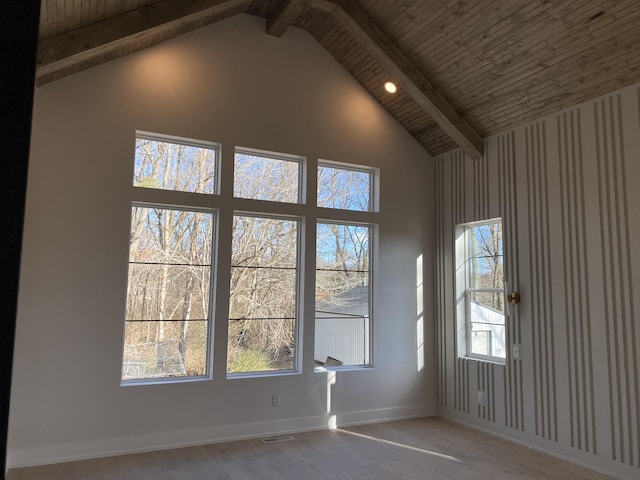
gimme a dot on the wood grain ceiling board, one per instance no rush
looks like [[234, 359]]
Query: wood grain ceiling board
[[371, 75], [499, 63], [263, 8], [439, 142], [503, 63], [59, 16], [133, 46]]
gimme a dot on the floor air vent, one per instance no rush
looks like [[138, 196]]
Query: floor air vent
[[280, 438]]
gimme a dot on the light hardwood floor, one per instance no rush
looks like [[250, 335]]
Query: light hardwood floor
[[428, 448]]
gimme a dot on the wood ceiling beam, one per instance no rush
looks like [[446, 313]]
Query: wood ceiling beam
[[283, 17], [61, 54], [71, 48], [404, 72]]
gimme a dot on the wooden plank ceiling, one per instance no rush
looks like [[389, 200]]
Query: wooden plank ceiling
[[465, 68]]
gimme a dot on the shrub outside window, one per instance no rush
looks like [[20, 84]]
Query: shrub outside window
[[263, 294], [173, 257]]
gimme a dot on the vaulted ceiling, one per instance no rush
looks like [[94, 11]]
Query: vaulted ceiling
[[465, 68]]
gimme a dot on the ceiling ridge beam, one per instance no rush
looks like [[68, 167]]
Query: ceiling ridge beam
[[69, 49], [404, 72], [284, 16]]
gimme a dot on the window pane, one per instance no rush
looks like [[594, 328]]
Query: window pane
[[486, 256], [489, 300], [265, 178], [481, 342], [264, 241], [261, 345], [342, 333], [167, 293], [263, 294], [344, 188], [342, 246], [174, 166], [342, 292], [486, 325], [485, 296], [165, 349]]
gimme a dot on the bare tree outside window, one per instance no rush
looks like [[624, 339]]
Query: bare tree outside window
[[344, 188], [260, 177], [170, 264], [487, 272], [167, 313], [262, 301], [343, 268], [175, 166], [485, 307]]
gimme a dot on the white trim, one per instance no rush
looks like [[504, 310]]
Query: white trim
[[465, 350], [546, 451], [177, 140], [213, 258], [99, 448]]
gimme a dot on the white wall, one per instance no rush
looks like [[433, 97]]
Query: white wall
[[227, 83], [567, 188]]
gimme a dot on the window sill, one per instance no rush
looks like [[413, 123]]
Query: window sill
[[343, 368], [478, 358], [277, 373], [163, 381]]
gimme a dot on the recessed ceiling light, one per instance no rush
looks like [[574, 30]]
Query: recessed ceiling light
[[390, 87]]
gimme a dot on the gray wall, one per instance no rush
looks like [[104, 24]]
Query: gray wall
[[567, 189], [227, 83]]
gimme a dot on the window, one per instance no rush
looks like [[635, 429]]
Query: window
[[178, 212], [168, 293], [342, 333], [343, 268], [167, 165], [480, 286], [265, 176], [264, 285], [168, 304], [263, 294], [344, 188]]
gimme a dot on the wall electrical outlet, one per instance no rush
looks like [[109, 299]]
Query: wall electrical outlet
[[480, 397], [275, 400], [515, 351]]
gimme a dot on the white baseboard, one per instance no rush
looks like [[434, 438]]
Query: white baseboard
[[567, 458], [72, 451]]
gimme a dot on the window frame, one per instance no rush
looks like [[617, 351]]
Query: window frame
[[286, 157], [368, 218], [374, 185], [465, 324], [299, 292], [169, 199], [208, 374], [372, 229], [189, 142], [223, 205]]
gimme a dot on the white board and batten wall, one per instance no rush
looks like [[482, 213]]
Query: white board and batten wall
[[567, 189]]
